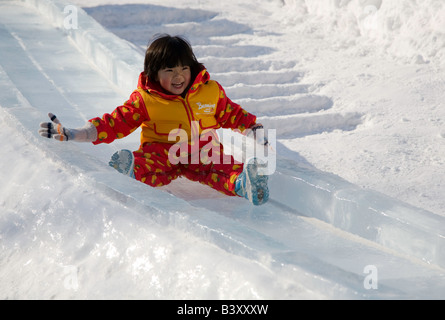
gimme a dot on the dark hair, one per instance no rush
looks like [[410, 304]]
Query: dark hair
[[167, 51]]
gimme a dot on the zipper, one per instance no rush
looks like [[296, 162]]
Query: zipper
[[194, 129]]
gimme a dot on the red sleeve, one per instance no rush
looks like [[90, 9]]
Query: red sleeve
[[122, 121], [231, 115]]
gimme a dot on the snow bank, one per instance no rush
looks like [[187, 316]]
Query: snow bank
[[117, 58], [412, 30], [369, 214]]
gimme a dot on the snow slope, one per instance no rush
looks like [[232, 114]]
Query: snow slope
[[71, 227]]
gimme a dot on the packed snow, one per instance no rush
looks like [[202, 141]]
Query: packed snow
[[354, 90]]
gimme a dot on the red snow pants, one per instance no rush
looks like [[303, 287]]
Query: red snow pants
[[152, 165]]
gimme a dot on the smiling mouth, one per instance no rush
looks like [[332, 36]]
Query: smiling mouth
[[177, 85]]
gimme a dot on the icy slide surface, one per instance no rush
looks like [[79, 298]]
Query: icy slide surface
[[70, 227]]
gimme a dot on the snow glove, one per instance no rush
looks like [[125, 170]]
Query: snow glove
[[259, 134], [54, 129]]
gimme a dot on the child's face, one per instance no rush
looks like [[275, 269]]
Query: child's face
[[175, 80]]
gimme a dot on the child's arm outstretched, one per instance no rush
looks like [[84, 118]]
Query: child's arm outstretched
[[231, 115], [56, 130], [120, 123]]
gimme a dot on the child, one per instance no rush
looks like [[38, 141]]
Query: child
[[175, 99]]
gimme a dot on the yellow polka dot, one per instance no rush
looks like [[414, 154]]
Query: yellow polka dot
[[160, 163], [103, 135]]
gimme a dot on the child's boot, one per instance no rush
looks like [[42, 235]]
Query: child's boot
[[252, 185], [123, 161]]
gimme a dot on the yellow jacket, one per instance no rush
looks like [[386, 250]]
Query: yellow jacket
[[205, 106]]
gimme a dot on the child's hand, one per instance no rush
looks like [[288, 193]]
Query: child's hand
[[259, 134], [54, 129]]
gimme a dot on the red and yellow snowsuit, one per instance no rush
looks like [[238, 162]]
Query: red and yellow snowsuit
[[204, 109]]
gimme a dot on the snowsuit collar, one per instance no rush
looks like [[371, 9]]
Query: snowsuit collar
[[152, 86]]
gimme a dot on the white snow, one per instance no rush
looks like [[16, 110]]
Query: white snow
[[354, 90]]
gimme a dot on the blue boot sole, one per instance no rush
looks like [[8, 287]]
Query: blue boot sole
[[123, 162]]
